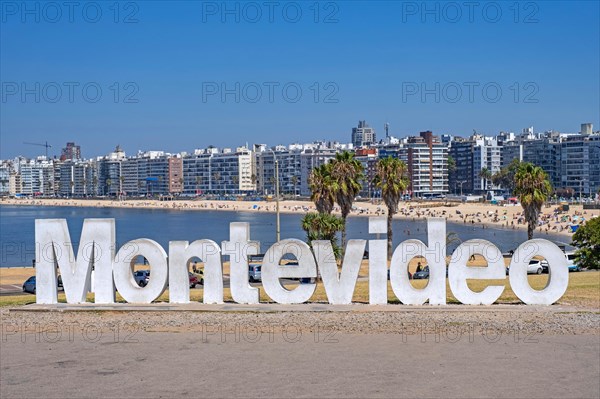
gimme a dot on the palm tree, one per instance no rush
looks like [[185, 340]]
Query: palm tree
[[109, 183], [236, 179], [295, 183], [533, 188], [95, 184], [319, 182], [346, 174], [486, 175], [198, 182], [121, 180], [323, 226], [217, 177], [390, 178]]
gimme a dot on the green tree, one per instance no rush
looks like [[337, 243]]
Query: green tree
[[533, 189], [451, 167], [346, 174], [505, 177], [587, 240], [323, 226], [391, 179], [295, 184], [320, 185]]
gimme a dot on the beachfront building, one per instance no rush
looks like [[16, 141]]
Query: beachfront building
[[368, 158], [36, 176], [542, 149], [289, 162], [313, 157], [461, 180], [427, 161], [486, 154], [296, 162], [109, 172], [5, 171], [77, 179], [580, 163], [222, 172]]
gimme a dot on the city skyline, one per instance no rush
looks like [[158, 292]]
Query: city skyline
[[219, 76], [56, 150]]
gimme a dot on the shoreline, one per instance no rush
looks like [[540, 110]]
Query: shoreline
[[482, 215]]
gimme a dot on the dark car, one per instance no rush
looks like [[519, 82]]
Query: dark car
[[422, 275], [142, 277]]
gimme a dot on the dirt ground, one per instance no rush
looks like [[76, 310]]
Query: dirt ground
[[193, 364]]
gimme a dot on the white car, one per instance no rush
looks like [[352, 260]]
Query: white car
[[571, 262], [534, 267]]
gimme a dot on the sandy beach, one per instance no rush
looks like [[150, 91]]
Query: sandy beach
[[477, 214]]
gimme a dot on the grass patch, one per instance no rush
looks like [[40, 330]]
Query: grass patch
[[583, 290]]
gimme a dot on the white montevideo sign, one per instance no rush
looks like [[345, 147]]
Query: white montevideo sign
[[113, 270]]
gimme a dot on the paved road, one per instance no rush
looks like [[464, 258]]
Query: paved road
[[197, 364], [11, 289]]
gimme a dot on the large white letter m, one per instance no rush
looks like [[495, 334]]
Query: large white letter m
[[54, 249]]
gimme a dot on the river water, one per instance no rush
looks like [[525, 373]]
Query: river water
[[17, 228]]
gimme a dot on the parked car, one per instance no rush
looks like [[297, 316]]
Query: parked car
[[421, 275], [195, 280], [534, 267], [142, 277], [571, 262], [254, 267], [29, 284]]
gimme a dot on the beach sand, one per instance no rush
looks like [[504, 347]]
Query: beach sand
[[477, 214]]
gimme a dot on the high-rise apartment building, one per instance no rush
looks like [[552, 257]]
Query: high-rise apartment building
[[427, 161], [363, 135], [71, 152]]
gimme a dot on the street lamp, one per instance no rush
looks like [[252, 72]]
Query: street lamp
[[278, 226]]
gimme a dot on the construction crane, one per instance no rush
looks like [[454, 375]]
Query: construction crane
[[41, 145]]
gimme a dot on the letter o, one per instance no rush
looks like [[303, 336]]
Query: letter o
[[558, 270], [122, 269]]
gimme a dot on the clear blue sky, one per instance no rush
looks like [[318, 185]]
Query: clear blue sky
[[372, 54]]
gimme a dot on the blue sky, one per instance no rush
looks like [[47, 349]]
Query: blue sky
[[419, 66]]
